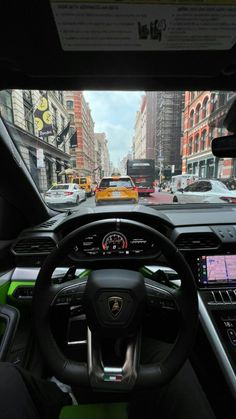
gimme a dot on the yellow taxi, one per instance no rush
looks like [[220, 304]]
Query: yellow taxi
[[116, 189]]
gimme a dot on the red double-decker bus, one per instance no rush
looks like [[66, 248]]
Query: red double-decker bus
[[142, 172]]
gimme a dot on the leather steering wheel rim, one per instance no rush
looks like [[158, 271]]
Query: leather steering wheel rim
[[75, 373]]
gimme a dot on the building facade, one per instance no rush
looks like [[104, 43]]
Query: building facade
[[203, 117], [102, 157], [81, 121], [123, 164], [140, 131], [45, 157], [163, 132]]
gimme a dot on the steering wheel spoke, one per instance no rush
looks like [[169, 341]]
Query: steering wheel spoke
[[69, 294], [160, 296], [104, 375]]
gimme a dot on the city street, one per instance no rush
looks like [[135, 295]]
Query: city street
[[155, 198]]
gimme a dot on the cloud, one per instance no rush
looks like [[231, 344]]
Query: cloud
[[114, 113]]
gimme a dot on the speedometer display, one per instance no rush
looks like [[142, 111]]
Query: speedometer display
[[114, 244], [114, 241]]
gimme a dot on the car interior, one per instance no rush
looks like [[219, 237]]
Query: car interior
[[59, 300]]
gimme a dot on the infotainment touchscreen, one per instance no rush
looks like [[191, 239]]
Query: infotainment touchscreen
[[218, 269]]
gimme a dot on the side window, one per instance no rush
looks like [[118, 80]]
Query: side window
[[192, 188], [204, 186]]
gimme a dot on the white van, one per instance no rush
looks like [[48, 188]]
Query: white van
[[181, 181]]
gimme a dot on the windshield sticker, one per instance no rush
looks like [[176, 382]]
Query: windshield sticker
[[144, 27]]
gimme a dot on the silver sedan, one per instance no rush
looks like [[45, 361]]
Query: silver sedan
[[208, 191], [65, 194]]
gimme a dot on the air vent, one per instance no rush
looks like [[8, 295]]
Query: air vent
[[191, 241], [48, 223], [35, 245]]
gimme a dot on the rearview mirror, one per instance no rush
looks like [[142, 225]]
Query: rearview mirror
[[224, 146]]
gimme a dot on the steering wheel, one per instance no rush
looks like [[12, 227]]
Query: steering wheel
[[115, 303]]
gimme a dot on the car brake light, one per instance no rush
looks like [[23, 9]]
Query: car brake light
[[135, 189], [229, 199], [68, 193], [97, 190]]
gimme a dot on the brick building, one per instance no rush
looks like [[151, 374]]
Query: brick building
[[203, 117], [83, 154]]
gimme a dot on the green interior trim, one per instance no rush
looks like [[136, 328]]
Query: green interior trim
[[3, 292], [95, 411], [146, 272], [15, 284], [85, 273]]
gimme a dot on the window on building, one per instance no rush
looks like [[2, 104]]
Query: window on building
[[70, 104], [203, 140], [60, 96], [62, 122], [63, 126], [205, 107], [192, 96], [211, 134], [28, 111], [73, 163], [6, 110], [54, 118], [197, 113], [191, 118], [222, 99], [196, 141], [213, 102], [190, 145], [72, 118]]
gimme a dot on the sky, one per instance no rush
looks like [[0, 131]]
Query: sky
[[114, 113]]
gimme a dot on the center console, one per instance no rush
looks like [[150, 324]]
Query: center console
[[216, 276]]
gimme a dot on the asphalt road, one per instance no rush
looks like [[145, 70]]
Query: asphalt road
[[155, 198]]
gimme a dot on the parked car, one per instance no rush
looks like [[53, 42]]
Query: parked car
[[212, 191], [116, 189], [65, 193]]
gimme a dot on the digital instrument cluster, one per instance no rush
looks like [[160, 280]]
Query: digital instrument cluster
[[114, 243]]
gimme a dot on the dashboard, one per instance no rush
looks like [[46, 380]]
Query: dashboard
[[196, 232], [205, 235]]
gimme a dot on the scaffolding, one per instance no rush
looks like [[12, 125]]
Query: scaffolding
[[169, 107]]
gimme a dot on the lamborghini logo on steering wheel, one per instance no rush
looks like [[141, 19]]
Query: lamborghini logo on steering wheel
[[115, 305]]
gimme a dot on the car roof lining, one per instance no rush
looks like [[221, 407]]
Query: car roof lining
[[31, 57]]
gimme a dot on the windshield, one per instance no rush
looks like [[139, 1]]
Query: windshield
[[156, 144]]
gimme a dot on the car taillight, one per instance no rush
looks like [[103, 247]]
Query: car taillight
[[97, 190], [135, 189], [68, 193], [229, 199]]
